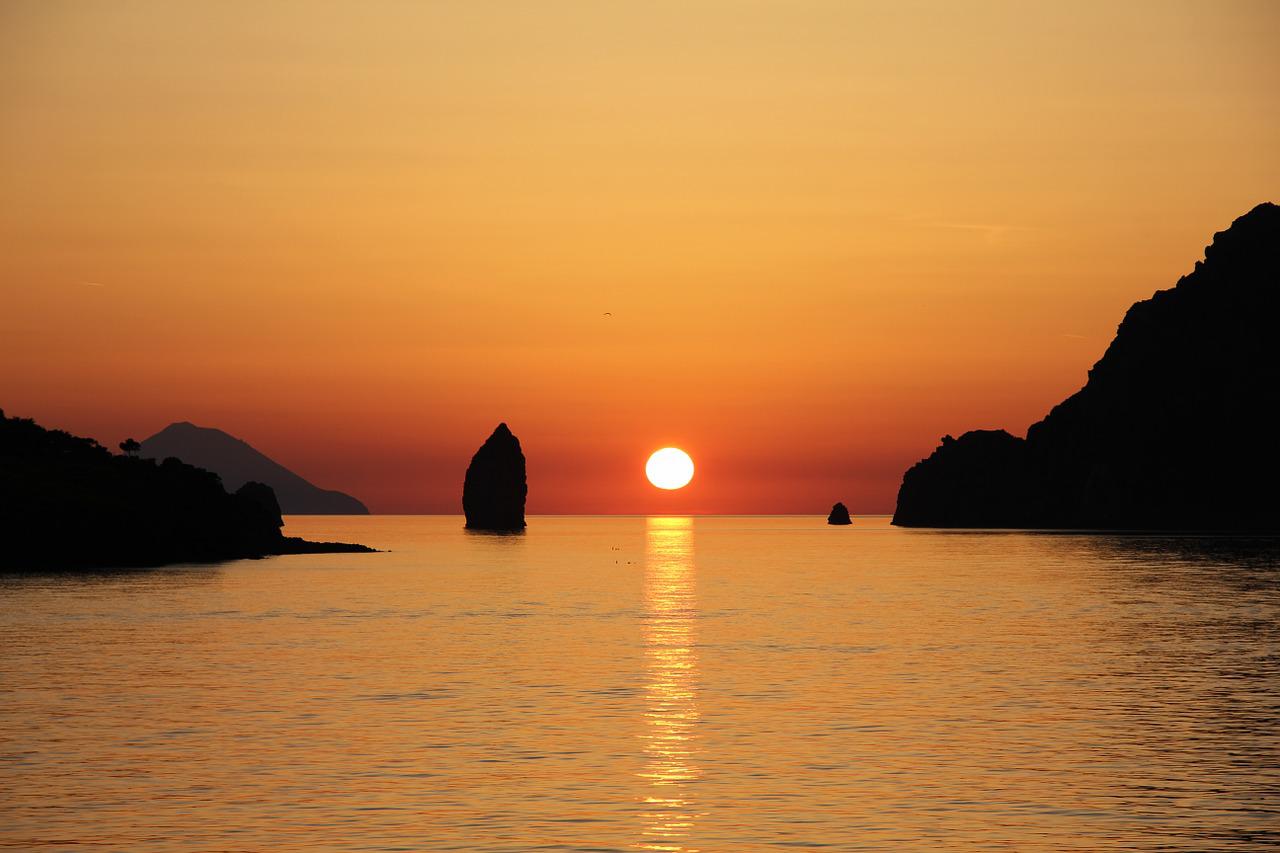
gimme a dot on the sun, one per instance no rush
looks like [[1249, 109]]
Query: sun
[[669, 468]]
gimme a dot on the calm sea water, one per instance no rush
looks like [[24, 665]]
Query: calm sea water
[[662, 684]]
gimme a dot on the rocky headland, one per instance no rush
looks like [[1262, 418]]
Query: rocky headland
[[1174, 429], [68, 503]]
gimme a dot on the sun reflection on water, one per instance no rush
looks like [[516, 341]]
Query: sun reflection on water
[[671, 705]]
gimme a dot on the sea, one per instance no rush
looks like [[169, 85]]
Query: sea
[[652, 684]]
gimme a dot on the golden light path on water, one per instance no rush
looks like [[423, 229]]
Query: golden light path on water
[[671, 700]]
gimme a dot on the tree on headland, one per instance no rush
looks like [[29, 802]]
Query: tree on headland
[[130, 446]]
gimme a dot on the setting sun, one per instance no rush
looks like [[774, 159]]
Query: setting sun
[[669, 468]]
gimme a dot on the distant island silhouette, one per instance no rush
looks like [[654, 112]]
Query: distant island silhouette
[[1174, 429], [237, 463], [839, 514], [495, 488], [68, 503]]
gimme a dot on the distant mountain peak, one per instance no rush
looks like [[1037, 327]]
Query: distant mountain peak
[[188, 426], [237, 462]]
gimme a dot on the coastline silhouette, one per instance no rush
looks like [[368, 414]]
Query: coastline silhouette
[[68, 503], [1172, 430]]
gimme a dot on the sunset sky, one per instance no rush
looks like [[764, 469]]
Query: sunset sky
[[358, 236]]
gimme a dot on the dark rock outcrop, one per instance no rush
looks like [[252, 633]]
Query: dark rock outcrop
[[967, 482], [237, 463], [839, 515], [495, 488], [68, 503], [1173, 430]]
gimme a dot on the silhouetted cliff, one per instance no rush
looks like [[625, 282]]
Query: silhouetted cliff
[[1174, 429], [66, 502], [839, 515], [494, 490], [237, 463]]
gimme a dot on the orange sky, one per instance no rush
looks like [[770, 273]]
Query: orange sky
[[359, 235]]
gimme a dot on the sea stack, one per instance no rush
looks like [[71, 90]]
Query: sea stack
[[839, 515], [1174, 429], [495, 488]]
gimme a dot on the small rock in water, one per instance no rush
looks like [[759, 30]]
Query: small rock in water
[[839, 515]]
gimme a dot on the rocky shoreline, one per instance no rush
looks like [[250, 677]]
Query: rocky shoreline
[[68, 503], [1172, 431]]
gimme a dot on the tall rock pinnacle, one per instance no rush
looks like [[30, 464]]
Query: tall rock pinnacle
[[495, 488]]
